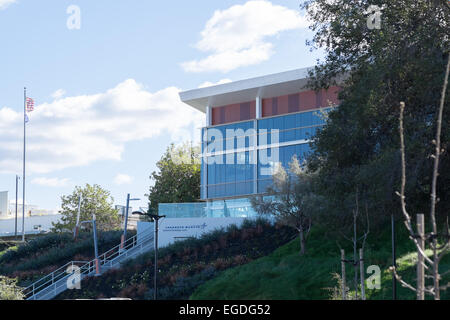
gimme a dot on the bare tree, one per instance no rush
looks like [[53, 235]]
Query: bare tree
[[290, 200], [431, 265], [355, 240]]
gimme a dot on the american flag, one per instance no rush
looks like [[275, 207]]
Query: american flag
[[30, 105]]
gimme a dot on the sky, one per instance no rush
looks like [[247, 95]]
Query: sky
[[105, 77]]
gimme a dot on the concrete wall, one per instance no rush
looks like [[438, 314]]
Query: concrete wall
[[7, 227]]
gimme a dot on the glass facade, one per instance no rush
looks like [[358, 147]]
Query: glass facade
[[183, 210], [243, 144], [236, 208], [239, 157]]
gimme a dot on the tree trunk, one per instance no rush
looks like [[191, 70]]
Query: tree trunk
[[420, 259], [361, 271], [302, 242], [344, 285]]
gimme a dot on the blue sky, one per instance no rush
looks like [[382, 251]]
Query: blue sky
[[106, 94]]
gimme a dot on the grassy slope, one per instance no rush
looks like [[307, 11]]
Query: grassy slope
[[186, 264], [286, 275]]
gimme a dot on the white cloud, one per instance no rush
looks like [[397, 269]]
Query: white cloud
[[6, 3], [77, 131], [58, 94], [121, 179], [210, 84], [237, 36], [50, 182]]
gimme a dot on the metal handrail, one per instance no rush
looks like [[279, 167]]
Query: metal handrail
[[88, 267], [118, 246], [122, 250], [52, 275]]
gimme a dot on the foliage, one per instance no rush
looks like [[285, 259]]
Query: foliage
[[5, 249], [6, 245], [183, 286], [44, 254], [95, 200], [178, 177], [187, 262], [9, 290], [336, 291], [34, 246], [359, 146], [291, 200]]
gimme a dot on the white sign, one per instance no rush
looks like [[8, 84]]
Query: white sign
[[178, 229]]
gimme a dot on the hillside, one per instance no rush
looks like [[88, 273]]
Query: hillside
[[46, 253], [285, 275], [256, 261], [186, 264]]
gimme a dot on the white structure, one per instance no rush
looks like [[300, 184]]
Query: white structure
[[178, 229], [33, 224], [122, 210], [30, 210], [132, 219], [4, 205]]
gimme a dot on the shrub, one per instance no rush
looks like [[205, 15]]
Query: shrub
[[44, 254], [9, 289], [183, 286], [186, 262], [134, 291], [240, 259]]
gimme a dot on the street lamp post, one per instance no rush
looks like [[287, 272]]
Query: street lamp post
[[94, 226], [154, 218], [125, 224]]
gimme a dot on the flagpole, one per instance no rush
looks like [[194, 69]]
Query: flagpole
[[17, 196], [24, 150]]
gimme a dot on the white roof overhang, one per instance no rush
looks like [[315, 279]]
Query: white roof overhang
[[268, 86]]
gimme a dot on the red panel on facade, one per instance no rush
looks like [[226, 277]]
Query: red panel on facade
[[330, 96], [294, 104], [283, 104], [307, 100], [266, 107], [303, 101], [233, 113], [215, 116], [252, 110]]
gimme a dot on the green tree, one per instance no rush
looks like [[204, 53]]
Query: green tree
[[95, 200], [404, 60], [9, 290], [177, 179]]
